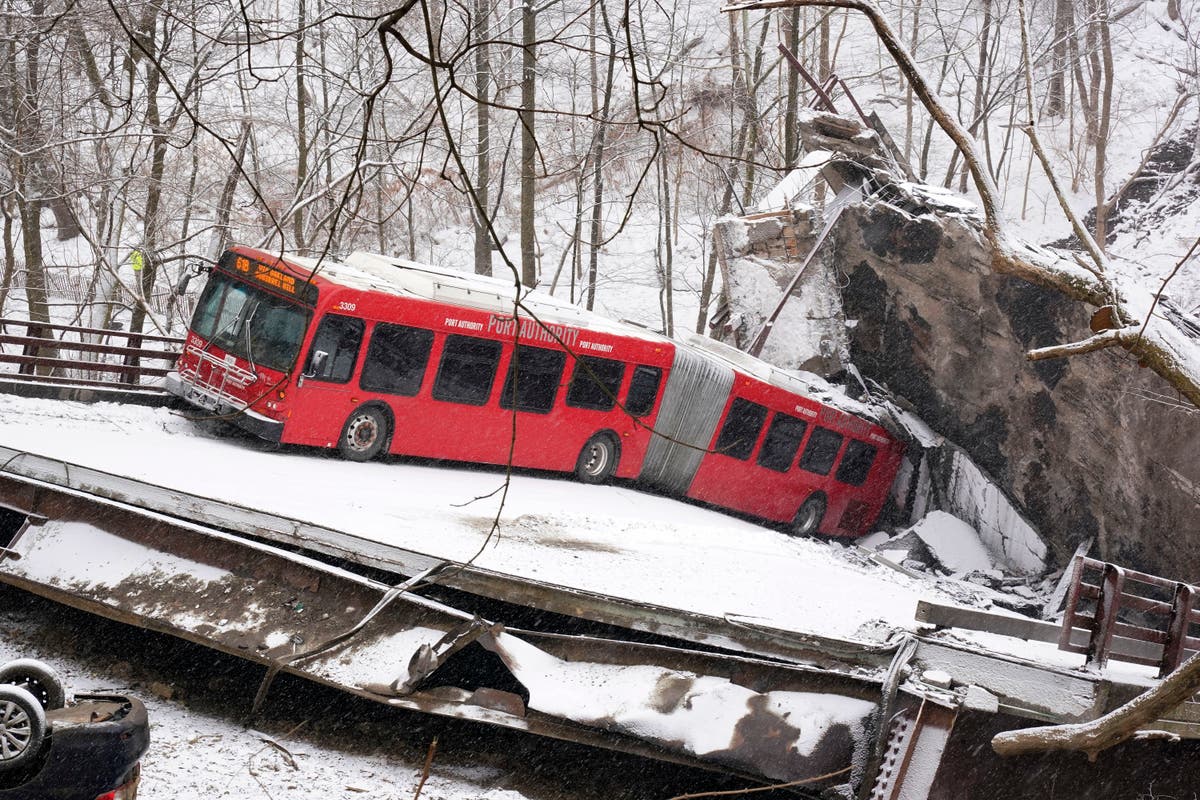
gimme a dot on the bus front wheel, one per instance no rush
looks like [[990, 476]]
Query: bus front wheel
[[808, 518], [363, 435], [598, 459]]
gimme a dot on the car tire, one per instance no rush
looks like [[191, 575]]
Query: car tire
[[363, 435], [38, 679], [598, 459], [22, 728], [808, 519]]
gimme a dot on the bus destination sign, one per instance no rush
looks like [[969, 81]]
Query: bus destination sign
[[264, 274]]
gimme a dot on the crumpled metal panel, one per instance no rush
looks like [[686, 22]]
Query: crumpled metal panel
[[779, 734]]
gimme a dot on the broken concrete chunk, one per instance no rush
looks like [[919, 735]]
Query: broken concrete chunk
[[953, 543], [937, 677]]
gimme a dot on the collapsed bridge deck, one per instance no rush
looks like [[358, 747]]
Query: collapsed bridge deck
[[290, 594]]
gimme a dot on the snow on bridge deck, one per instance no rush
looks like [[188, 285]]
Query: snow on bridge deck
[[609, 540]]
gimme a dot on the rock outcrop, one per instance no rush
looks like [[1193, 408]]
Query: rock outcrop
[[1087, 446]]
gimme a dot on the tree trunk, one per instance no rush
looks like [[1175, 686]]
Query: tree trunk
[[220, 231], [65, 222], [154, 187], [301, 128], [483, 236], [30, 211], [1056, 93], [791, 139], [908, 92], [597, 161], [666, 293], [981, 70], [1102, 121], [10, 254], [528, 143], [29, 204]]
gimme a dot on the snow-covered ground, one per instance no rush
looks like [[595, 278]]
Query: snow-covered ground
[[611, 540]]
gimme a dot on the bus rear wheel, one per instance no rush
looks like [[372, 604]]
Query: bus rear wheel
[[363, 435], [598, 460], [808, 518]]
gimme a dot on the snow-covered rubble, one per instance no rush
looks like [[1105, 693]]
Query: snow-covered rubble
[[952, 543], [203, 749], [701, 714], [941, 477]]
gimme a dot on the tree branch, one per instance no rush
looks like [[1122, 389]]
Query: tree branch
[[1111, 729], [1098, 342]]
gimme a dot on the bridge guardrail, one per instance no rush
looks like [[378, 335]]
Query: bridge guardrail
[[104, 358]]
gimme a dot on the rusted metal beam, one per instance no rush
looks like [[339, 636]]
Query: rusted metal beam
[[819, 90], [1175, 647], [918, 739], [1032, 630]]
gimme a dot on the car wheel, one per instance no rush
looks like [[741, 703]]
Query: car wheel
[[22, 727], [363, 435], [36, 678], [598, 459], [808, 518]]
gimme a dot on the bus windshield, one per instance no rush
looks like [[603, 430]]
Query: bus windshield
[[250, 323]]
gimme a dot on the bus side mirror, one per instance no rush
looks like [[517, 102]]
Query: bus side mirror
[[181, 287], [316, 364], [186, 278]]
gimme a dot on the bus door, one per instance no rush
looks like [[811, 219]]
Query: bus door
[[325, 395]]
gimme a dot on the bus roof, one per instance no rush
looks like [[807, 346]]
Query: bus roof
[[807, 384], [398, 276], [401, 277]]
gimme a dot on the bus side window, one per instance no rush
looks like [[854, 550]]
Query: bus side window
[[821, 451], [741, 428], [595, 383], [782, 442], [643, 390], [396, 359], [338, 338], [467, 370], [538, 372], [856, 463]]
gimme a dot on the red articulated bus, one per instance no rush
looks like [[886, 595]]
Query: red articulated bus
[[373, 354]]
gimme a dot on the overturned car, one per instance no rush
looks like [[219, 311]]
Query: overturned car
[[51, 749]]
